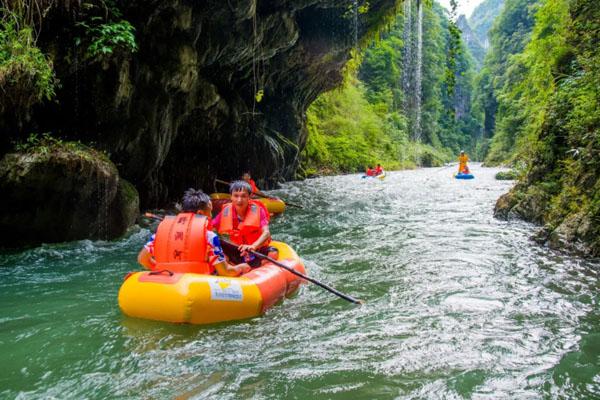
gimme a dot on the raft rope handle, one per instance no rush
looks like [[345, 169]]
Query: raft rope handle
[[161, 272]]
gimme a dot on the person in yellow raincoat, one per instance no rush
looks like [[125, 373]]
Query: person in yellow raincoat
[[462, 163]]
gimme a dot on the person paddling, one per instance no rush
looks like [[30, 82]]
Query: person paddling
[[186, 242], [255, 190], [246, 221], [370, 171], [462, 163], [378, 170]]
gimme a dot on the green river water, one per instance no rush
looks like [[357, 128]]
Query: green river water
[[459, 305]]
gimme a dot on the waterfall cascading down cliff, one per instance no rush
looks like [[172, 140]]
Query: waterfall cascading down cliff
[[419, 71], [412, 67]]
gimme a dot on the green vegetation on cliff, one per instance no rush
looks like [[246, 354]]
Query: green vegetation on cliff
[[509, 35], [373, 117], [482, 19], [26, 75], [104, 32], [549, 123], [338, 143]]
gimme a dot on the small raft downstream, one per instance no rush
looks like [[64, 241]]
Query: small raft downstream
[[461, 175], [206, 299]]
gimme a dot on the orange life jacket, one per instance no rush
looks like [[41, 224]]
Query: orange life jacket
[[253, 185], [180, 244], [247, 231]]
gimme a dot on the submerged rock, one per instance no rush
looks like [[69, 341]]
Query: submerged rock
[[506, 175], [567, 227], [521, 202], [59, 192]]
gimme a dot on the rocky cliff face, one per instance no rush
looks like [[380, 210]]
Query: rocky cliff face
[[472, 41], [482, 19], [183, 109], [561, 186]]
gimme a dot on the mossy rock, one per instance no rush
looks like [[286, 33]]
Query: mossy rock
[[62, 192], [506, 175]]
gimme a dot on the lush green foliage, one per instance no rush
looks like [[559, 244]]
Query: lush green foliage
[[110, 37], [26, 75], [46, 144], [346, 134], [371, 119], [105, 33], [568, 147], [506, 175], [38, 143], [509, 35], [548, 116]]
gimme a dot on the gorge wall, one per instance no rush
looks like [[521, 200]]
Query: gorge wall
[[184, 108]]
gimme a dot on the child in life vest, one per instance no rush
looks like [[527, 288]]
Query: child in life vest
[[246, 221]]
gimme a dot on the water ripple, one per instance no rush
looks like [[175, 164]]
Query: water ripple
[[458, 305]]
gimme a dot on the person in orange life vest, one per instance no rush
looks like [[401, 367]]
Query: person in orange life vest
[[462, 162], [378, 170], [246, 177], [186, 242], [246, 221]]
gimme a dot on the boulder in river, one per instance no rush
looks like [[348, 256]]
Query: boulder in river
[[55, 192]]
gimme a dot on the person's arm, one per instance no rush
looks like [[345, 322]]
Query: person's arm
[[146, 255], [146, 259], [258, 243], [226, 269], [219, 262]]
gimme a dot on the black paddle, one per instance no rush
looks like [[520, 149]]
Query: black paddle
[[261, 195], [293, 271], [300, 274]]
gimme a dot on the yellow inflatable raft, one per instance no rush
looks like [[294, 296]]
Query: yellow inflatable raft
[[274, 206], [205, 299]]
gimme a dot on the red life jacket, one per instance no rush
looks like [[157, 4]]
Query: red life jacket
[[180, 244], [378, 171], [369, 172], [247, 231], [253, 185]]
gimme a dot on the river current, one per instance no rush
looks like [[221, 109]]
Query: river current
[[459, 305]]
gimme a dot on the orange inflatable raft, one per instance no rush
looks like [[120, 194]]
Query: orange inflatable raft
[[205, 299]]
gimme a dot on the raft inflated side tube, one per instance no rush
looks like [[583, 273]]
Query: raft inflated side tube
[[205, 299], [464, 176], [184, 298], [275, 206]]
